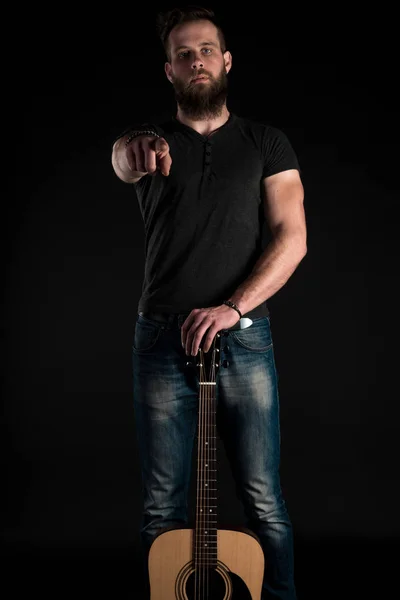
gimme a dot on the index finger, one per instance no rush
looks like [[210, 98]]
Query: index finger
[[161, 146], [164, 160], [165, 164], [185, 327]]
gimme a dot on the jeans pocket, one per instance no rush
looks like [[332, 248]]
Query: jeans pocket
[[257, 338], [147, 334]]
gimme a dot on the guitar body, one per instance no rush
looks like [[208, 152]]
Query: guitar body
[[237, 576]]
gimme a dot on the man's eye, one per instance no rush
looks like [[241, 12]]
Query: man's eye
[[186, 53]]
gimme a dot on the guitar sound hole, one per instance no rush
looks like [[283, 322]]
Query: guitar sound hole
[[205, 583], [209, 584]]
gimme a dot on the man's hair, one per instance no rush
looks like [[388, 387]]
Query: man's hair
[[166, 21]]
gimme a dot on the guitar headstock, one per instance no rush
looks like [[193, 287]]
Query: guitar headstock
[[208, 363]]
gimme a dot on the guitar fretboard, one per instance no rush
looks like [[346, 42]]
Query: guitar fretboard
[[205, 540]]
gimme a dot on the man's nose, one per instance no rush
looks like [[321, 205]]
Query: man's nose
[[197, 62]]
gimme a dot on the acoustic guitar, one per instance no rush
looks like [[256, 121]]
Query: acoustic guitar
[[206, 563]]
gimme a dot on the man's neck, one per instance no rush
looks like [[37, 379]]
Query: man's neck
[[204, 126]]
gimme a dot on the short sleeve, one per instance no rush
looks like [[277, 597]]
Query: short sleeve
[[278, 153]]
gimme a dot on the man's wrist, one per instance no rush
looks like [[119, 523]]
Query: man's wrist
[[136, 127], [137, 132], [234, 306]]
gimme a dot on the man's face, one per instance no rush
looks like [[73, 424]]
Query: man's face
[[198, 69]]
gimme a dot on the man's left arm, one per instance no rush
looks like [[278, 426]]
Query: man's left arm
[[285, 216], [284, 213]]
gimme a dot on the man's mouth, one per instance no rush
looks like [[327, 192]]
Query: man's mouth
[[199, 78]]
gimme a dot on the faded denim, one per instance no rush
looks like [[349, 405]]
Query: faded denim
[[166, 393]]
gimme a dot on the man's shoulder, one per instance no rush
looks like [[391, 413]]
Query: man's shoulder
[[257, 125]]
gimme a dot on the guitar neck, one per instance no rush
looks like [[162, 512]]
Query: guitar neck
[[205, 535]]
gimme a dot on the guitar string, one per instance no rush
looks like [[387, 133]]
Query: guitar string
[[206, 489], [206, 471], [200, 483], [198, 495], [203, 489], [203, 557], [202, 561], [211, 395]]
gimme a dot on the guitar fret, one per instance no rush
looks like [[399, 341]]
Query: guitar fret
[[212, 520]]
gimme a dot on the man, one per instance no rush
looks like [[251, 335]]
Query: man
[[206, 180]]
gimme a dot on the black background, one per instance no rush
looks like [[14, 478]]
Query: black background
[[73, 254]]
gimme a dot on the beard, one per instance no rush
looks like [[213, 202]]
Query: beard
[[202, 100]]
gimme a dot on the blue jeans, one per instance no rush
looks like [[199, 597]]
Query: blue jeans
[[166, 409]]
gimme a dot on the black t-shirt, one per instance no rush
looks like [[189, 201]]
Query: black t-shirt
[[204, 221]]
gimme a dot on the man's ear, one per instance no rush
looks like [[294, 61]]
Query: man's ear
[[228, 61], [168, 71]]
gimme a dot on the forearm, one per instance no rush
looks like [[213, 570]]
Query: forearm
[[272, 270]]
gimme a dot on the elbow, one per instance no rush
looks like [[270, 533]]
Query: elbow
[[301, 247]]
